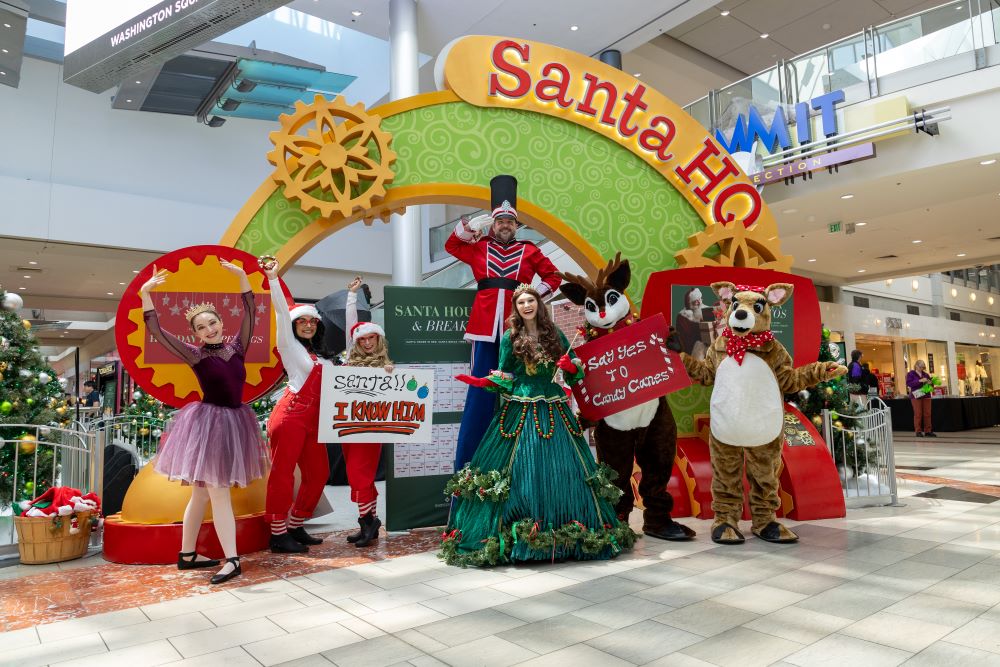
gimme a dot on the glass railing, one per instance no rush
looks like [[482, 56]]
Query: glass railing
[[931, 45]]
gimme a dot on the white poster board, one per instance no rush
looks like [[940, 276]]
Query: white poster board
[[370, 405]]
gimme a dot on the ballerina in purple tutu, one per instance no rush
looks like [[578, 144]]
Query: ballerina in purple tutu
[[215, 443]]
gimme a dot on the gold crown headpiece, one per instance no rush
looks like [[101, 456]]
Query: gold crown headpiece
[[195, 311], [523, 287]]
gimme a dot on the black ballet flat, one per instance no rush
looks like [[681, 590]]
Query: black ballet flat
[[193, 564], [235, 572]]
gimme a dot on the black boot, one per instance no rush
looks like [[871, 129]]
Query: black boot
[[369, 530], [302, 537], [235, 572], [354, 537], [286, 544]]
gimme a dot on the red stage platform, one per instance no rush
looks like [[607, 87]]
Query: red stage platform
[[143, 544]]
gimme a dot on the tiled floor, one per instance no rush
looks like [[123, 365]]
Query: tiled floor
[[917, 584]]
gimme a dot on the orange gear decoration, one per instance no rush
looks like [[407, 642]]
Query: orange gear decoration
[[738, 247], [332, 156]]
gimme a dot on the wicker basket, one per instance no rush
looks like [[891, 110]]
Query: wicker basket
[[40, 541]]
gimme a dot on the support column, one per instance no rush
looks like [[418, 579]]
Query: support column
[[898, 366], [952, 368], [404, 82]]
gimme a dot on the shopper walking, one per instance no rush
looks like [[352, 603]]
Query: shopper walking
[[292, 428], [918, 382], [856, 386], [215, 443]]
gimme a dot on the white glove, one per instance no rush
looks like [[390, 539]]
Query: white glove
[[481, 223]]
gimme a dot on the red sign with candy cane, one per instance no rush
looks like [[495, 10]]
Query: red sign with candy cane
[[627, 368]]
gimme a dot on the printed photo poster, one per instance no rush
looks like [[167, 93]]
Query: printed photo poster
[[369, 405], [698, 315]]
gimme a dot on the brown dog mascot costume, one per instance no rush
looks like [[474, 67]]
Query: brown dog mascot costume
[[750, 371], [645, 434]]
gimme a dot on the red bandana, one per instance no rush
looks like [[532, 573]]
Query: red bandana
[[736, 346]]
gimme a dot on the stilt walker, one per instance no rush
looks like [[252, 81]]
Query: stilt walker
[[293, 425], [499, 263]]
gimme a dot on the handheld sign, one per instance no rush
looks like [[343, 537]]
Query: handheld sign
[[627, 368], [369, 405]]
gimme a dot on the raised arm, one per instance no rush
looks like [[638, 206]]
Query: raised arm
[[351, 312], [246, 294], [461, 244], [186, 353], [295, 358]]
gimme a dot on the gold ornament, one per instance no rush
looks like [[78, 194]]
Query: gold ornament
[[143, 431], [739, 247], [1, 377], [3, 365], [829, 391], [28, 444], [61, 410], [817, 420], [332, 156], [26, 324]]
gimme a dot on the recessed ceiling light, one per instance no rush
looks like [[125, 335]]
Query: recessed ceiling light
[[825, 26], [860, 224], [111, 293], [574, 28], [791, 210], [138, 82], [987, 163], [764, 35], [121, 283], [637, 74], [917, 241], [862, 270], [961, 254], [724, 12], [813, 259], [3, 73], [5, 50], [135, 272], [22, 288], [27, 276], [847, 196], [6, 25], [356, 12], [32, 262], [128, 101]]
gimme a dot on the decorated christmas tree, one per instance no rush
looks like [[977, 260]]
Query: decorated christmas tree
[[29, 394], [832, 395]]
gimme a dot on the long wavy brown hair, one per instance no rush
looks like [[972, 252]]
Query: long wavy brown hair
[[548, 347], [377, 359]]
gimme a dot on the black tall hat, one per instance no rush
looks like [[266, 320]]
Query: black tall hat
[[503, 196]]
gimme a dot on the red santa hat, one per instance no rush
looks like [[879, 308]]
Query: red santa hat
[[365, 328], [304, 310]]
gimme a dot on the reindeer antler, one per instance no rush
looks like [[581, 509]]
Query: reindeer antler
[[582, 281], [612, 266]]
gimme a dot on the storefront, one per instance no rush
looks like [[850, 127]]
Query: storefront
[[935, 354], [977, 368], [877, 352]]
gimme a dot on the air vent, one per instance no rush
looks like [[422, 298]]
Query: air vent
[[32, 269], [955, 317], [888, 257], [912, 310], [990, 322], [861, 302], [993, 238]]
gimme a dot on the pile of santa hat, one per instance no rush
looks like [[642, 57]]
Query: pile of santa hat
[[61, 501]]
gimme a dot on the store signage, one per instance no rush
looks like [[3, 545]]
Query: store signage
[[814, 162], [893, 323], [503, 72], [107, 370], [627, 368], [748, 132]]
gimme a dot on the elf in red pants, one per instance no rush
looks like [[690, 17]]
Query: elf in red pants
[[365, 347], [292, 427]]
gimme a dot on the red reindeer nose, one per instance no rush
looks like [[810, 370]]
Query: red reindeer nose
[[602, 314]]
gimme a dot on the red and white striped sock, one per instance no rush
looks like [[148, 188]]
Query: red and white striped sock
[[295, 521], [278, 527], [367, 508]]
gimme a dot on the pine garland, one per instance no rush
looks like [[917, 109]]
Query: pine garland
[[468, 483], [569, 537], [603, 483]]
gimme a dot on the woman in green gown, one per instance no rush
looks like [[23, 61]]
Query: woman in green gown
[[533, 490]]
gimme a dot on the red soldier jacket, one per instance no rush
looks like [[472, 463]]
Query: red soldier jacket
[[498, 269]]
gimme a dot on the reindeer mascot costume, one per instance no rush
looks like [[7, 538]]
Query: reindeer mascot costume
[[751, 371], [645, 434]]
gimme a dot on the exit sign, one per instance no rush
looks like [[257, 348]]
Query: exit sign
[[834, 227]]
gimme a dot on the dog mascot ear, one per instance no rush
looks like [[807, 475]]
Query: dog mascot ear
[[724, 290], [778, 293]]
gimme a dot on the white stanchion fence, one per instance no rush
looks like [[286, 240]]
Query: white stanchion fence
[[861, 446]]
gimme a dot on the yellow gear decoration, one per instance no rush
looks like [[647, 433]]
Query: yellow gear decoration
[[738, 246], [332, 156]]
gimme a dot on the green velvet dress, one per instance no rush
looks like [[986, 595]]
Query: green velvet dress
[[533, 490]]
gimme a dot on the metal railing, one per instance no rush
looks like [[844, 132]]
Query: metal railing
[[861, 446], [55, 457], [934, 44]]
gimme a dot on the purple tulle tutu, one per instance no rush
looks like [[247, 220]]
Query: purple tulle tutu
[[211, 445]]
